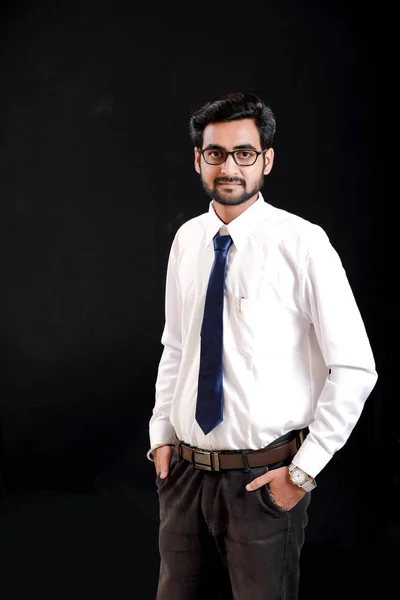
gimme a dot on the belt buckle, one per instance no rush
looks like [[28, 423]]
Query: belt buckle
[[207, 461]]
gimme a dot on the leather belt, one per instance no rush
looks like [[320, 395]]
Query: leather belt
[[209, 460]]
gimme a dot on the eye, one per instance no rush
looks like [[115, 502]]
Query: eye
[[245, 154]]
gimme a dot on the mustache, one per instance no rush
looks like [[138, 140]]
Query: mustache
[[229, 180]]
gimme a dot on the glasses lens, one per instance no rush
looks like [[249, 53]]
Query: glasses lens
[[214, 157], [245, 157]]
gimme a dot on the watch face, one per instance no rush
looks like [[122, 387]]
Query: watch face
[[298, 476]]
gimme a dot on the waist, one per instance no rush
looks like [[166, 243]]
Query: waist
[[280, 449]]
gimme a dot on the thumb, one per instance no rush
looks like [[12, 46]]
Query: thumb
[[162, 468], [259, 482], [164, 472], [163, 460]]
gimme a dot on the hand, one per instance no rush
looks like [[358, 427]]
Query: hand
[[162, 458], [284, 493]]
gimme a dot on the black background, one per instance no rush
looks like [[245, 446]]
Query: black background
[[96, 176]]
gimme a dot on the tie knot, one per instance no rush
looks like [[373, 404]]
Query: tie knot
[[222, 242]]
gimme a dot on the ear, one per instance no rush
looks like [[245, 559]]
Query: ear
[[197, 157], [269, 160]]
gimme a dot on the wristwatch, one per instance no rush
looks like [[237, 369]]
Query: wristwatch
[[300, 478]]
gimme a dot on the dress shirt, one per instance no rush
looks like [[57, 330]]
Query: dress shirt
[[295, 350]]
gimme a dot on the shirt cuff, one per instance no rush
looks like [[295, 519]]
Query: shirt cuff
[[149, 454], [161, 434], [311, 458]]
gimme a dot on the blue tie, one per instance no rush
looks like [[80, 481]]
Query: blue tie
[[209, 393]]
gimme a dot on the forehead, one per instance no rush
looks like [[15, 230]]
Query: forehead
[[232, 133]]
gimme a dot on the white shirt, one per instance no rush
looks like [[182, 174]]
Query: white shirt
[[289, 317]]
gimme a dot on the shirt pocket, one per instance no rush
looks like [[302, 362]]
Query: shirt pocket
[[264, 329], [245, 318]]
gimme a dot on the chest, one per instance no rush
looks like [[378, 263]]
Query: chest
[[256, 274]]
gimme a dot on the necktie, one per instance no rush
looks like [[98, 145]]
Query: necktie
[[209, 395]]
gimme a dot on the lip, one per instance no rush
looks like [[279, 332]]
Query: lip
[[229, 184]]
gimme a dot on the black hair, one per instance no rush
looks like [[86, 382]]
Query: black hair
[[232, 107]]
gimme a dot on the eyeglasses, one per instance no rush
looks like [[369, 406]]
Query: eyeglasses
[[243, 158]]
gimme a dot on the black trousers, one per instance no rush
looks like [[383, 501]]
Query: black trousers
[[219, 541]]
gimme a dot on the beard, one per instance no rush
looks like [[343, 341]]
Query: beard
[[235, 196]]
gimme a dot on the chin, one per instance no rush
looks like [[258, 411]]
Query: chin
[[232, 195]]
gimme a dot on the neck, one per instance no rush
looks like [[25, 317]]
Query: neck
[[228, 213]]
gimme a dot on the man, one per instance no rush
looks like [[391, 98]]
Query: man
[[265, 371]]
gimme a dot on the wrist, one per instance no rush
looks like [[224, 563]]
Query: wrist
[[301, 478]]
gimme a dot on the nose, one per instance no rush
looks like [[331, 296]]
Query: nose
[[229, 167]]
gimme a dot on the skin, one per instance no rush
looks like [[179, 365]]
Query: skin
[[229, 187]]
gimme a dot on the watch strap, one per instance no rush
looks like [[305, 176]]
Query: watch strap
[[309, 485]]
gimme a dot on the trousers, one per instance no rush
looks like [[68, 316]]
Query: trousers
[[219, 541]]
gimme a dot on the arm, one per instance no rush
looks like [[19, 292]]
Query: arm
[[346, 350], [340, 331], [160, 429]]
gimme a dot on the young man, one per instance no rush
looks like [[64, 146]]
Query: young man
[[265, 370]]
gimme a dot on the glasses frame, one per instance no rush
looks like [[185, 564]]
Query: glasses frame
[[232, 153]]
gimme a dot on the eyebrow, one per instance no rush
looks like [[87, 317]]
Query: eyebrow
[[240, 147]]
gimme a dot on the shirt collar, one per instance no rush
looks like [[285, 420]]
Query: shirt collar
[[240, 227]]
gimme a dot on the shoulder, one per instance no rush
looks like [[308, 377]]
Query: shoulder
[[298, 239], [193, 226], [190, 231], [295, 231]]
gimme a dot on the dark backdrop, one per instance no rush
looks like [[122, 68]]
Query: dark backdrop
[[96, 176]]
